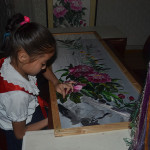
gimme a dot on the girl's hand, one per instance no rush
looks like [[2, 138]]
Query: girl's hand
[[65, 88]]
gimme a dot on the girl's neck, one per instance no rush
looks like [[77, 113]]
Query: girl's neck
[[17, 67]]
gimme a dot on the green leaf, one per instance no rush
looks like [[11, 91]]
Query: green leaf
[[107, 97], [61, 80], [116, 102], [115, 79], [131, 105], [60, 97], [68, 77], [86, 93], [65, 74], [99, 96], [94, 94], [89, 83], [120, 100], [113, 97], [63, 100], [82, 80], [88, 88], [99, 88], [61, 70], [75, 97]]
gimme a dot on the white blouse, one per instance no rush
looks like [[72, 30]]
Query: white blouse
[[17, 106]]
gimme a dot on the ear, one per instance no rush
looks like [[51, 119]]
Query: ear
[[23, 57]]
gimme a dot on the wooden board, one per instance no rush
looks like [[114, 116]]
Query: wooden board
[[59, 131]]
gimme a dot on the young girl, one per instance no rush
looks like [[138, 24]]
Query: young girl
[[29, 46]]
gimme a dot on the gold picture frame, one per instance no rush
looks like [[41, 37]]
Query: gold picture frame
[[50, 13]]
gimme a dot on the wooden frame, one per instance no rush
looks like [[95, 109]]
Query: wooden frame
[[58, 131], [50, 13]]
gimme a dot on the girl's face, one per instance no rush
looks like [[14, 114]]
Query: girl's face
[[33, 68]]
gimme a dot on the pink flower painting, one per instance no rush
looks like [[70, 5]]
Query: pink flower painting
[[96, 77], [70, 13], [121, 96], [81, 70], [60, 11], [92, 79], [76, 5], [78, 87]]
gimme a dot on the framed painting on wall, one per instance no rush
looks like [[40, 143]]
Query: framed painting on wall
[[71, 13]]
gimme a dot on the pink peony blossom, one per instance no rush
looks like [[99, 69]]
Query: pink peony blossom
[[60, 11], [81, 70], [97, 77], [78, 87], [121, 96], [76, 5]]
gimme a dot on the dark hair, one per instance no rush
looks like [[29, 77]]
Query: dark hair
[[34, 38]]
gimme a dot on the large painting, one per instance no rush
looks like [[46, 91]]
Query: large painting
[[71, 13], [105, 94]]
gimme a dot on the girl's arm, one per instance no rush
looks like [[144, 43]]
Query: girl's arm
[[20, 127], [62, 88], [49, 75]]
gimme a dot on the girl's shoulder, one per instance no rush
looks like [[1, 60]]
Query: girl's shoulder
[[8, 73]]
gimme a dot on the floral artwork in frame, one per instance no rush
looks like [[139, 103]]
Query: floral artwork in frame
[[92, 80], [71, 13], [93, 77], [102, 94]]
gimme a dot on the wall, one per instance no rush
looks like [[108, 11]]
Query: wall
[[6, 10], [35, 9], [132, 17]]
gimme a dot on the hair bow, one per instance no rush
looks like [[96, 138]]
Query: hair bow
[[26, 20]]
